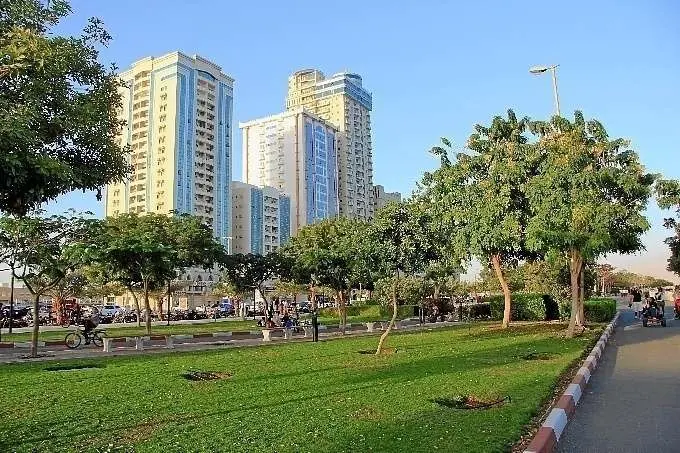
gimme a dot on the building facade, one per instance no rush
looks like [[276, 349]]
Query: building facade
[[294, 152], [342, 101], [260, 218], [381, 198], [178, 113]]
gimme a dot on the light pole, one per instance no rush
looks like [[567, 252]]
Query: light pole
[[536, 70]]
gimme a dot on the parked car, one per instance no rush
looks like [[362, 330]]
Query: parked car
[[110, 310]]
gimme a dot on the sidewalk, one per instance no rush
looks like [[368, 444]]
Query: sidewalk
[[60, 352], [112, 325], [632, 402]]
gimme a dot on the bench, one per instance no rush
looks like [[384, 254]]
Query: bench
[[138, 341], [370, 326], [288, 331], [267, 333]]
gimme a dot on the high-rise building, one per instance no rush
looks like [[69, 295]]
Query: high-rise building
[[178, 111], [260, 218], [381, 198], [342, 101], [294, 152]]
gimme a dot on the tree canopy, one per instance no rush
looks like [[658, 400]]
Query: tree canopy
[[58, 108], [43, 254], [588, 197], [145, 252], [481, 195]]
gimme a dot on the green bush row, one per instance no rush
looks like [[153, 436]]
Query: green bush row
[[599, 309], [525, 307], [371, 311], [403, 311], [596, 309]]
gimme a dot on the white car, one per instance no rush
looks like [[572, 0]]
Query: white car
[[110, 310]]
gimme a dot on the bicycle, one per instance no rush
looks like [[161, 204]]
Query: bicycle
[[75, 338]]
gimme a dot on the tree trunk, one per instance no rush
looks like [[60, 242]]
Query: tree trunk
[[136, 299], [342, 312], [394, 314], [496, 261], [159, 308], [575, 262], [312, 291], [36, 326], [147, 307], [581, 318], [11, 300]]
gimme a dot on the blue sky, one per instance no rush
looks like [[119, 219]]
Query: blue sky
[[434, 67]]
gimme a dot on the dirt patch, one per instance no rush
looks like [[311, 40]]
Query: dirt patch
[[206, 375], [367, 413], [75, 367], [469, 402], [538, 356]]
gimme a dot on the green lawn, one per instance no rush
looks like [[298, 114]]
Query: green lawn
[[295, 397], [369, 313]]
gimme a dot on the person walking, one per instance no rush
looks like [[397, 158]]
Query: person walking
[[637, 303]]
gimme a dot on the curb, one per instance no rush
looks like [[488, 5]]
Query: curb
[[551, 430]]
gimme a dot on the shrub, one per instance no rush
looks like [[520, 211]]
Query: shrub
[[525, 307], [403, 311], [595, 309], [599, 309], [480, 311]]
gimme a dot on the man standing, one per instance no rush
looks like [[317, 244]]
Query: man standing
[[661, 300]]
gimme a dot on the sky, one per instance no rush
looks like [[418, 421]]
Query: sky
[[435, 68]]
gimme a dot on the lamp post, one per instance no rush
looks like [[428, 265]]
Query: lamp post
[[537, 70]]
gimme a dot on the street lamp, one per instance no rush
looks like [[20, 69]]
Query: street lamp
[[537, 70]]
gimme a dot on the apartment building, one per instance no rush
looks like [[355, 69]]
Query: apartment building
[[342, 101], [178, 113], [260, 218], [294, 152], [381, 198]]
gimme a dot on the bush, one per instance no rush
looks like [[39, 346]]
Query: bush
[[403, 311], [596, 309], [352, 310], [524, 307], [599, 309]]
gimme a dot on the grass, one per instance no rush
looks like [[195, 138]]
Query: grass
[[294, 397], [368, 313]]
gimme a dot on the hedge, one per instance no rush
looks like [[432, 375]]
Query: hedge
[[403, 311], [597, 309], [524, 307]]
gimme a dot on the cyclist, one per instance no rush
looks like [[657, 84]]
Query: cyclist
[[90, 323]]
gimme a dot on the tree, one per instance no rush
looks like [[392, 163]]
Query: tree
[[44, 255], [605, 277], [587, 198], [144, 253], [58, 108], [668, 196], [400, 230], [481, 196], [245, 273], [336, 253]]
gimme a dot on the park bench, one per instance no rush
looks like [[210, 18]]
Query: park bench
[[288, 332], [370, 326]]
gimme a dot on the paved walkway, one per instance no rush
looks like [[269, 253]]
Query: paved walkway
[[60, 352], [632, 403]]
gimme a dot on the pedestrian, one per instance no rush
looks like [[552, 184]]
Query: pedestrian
[[661, 300], [637, 303]]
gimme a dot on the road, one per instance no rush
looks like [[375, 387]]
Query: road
[[632, 402]]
